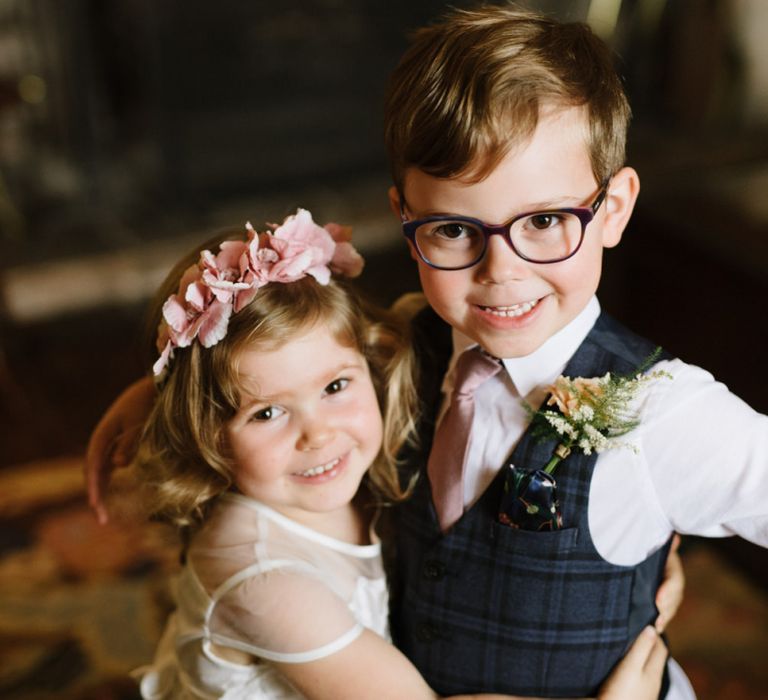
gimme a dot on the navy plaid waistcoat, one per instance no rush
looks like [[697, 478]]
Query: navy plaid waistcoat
[[487, 608]]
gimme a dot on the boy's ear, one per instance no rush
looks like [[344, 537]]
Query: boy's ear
[[394, 205], [619, 204], [394, 201]]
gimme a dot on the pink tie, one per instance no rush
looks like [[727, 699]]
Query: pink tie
[[449, 449]]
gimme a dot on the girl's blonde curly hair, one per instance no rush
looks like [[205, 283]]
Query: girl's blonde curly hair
[[183, 456]]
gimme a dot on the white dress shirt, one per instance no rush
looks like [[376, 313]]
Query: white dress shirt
[[699, 463]]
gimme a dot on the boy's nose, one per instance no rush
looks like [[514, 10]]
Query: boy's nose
[[316, 434], [500, 263]]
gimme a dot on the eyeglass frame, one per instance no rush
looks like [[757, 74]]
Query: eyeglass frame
[[584, 214]]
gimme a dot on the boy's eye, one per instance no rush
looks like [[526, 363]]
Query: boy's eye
[[336, 386], [453, 230], [267, 414], [544, 221]]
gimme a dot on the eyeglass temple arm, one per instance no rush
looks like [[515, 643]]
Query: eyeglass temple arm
[[601, 197]]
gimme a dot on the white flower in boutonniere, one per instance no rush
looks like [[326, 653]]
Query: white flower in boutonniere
[[591, 413]]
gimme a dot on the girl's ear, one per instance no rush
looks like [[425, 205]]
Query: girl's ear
[[394, 201], [619, 204]]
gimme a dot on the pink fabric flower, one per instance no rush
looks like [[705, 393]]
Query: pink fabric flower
[[224, 283], [303, 248], [346, 260], [178, 318], [211, 325], [163, 360], [222, 273]]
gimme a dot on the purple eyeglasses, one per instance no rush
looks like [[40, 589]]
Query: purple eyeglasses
[[458, 242]]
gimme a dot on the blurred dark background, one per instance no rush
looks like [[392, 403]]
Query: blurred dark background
[[128, 127]]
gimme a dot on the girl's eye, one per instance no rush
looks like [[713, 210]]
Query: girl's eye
[[267, 414], [336, 386]]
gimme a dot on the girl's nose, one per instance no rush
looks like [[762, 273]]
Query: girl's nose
[[501, 264], [316, 434]]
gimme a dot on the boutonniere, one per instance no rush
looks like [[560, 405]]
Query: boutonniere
[[587, 414]]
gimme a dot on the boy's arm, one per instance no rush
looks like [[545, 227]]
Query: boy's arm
[[113, 441], [705, 451], [670, 593]]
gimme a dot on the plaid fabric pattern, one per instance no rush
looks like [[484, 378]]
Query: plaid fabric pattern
[[487, 608]]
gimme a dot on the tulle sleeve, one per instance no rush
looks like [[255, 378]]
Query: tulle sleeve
[[282, 611]]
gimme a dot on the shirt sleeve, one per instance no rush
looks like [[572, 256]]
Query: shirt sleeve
[[707, 455], [285, 612]]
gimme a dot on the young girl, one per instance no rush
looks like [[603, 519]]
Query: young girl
[[266, 442]]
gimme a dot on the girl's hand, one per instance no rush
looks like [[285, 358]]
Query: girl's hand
[[670, 593], [113, 441], [638, 675]]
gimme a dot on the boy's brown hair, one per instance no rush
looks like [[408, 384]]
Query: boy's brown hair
[[471, 87]]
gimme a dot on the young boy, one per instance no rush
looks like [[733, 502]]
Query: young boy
[[501, 122]]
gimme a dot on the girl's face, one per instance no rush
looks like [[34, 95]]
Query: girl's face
[[308, 427]]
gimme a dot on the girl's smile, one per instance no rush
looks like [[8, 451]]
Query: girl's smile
[[323, 472]]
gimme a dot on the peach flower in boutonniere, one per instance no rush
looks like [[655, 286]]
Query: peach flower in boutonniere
[[575, 397], [591, 413]]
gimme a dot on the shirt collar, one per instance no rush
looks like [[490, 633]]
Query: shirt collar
[[545, 364]]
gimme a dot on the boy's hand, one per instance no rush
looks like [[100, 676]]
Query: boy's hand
[[113, 441], [670, 593], [638, 675]]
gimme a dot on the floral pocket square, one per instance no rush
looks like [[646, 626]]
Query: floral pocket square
[[530, 501]]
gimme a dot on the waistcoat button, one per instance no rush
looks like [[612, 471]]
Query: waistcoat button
[[427, 632], [434, 570]]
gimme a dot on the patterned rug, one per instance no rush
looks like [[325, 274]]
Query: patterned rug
[[81, 605]]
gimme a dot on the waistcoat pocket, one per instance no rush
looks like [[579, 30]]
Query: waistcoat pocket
[[544, 545]]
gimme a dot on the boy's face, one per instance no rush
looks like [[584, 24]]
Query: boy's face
[[508, 305]]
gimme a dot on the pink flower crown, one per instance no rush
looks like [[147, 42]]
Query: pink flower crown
[[222, 284]]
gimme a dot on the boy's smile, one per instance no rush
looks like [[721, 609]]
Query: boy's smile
[[508, 305]]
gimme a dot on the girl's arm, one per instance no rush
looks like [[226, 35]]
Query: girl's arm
[[371, 668], [114, 439]]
